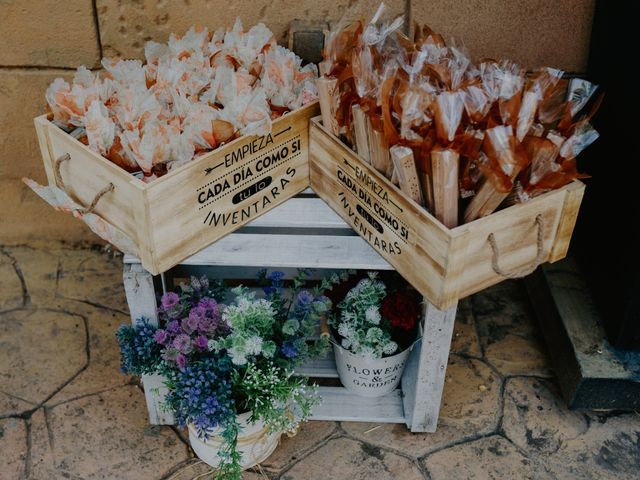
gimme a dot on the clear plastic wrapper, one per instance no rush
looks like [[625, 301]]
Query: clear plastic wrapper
[[505, 157], [583, 136], [503, 128], [448, 107], [101, 130], [197, 91]]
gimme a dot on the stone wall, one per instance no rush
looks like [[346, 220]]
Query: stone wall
[[45, 39]]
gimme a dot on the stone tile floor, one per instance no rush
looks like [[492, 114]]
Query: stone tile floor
[[67, 412]]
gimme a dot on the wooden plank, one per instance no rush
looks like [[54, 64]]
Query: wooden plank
[[361, 132], [141, 298], [405, 167], [515, 232], [140, 293], [341, 405], [573, 199], [444, 164], [311, 213], [379, 152], [246, 179], [403, 232], [386, 218], [423, 377], [275, 251], [87, 173], [455, 268], [41, 123], [155, 392], [320, 368], [326, 94]]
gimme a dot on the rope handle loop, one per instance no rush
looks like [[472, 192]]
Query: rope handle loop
[[58, 177], [524, 271]]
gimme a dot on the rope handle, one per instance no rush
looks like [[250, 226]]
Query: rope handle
[[524, 271], [58, 177]]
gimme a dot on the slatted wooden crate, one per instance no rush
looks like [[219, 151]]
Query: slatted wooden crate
[[192, 206], [305, 232], [443, 264]]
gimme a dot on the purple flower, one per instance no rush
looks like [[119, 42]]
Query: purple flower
[[173, 326], [276, 276], [183, 343], [210, 305], [268, 290], [161, 337], [170, 354], [170, 300], [289, 350], [201, 342], [207, 325], [190, 324], [197, 312], [181, 360], [305, 298]]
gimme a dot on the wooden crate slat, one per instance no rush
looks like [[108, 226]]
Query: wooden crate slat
[[341, 405], [311, 213], [312, 251], [320, 368], [424, 375]]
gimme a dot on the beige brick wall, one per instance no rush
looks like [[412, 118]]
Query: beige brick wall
[[45, 39]]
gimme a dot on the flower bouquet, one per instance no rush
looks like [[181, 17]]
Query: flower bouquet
[[374, 331], [229, 367]]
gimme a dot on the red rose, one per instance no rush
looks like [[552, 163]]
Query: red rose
[[401, 308]]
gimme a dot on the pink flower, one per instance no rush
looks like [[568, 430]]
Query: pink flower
[[197, 312], [201, 342], [190, 325], [161, 336], [170, 300], [173, 326], [181, 360], [210, 305], [182, 343]]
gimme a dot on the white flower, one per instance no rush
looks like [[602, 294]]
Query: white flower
[[346, 330], [291, 326], [237, 357], [253, 345], [373, 315], [368, 352], [390, 348]]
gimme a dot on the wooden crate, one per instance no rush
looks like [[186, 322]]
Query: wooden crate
[[305, 232], [189, 208], [443, 264]]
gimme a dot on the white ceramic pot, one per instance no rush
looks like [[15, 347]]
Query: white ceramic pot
[[369, 377], [255, 443]]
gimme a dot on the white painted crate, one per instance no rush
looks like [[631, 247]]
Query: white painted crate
[[305, 232]]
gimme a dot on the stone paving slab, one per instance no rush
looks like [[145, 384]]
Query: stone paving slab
[[104, 436], [13, 448], [536, 419], [345, 458], [66, 411], [488, 458], [470, 407], [40, 351], [465, 338]]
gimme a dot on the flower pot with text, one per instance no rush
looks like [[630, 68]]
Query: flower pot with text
[[373, 335], [370, 377], [255, 443]]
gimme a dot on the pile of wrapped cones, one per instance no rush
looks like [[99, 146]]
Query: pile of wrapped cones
[[196, 92], [460, 138]]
